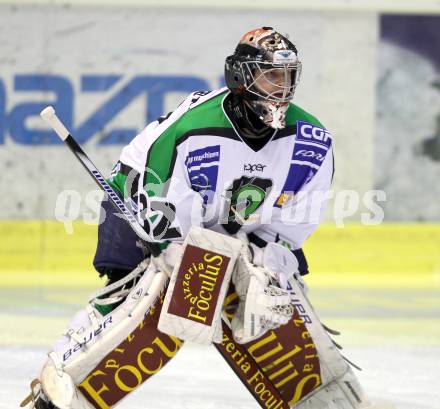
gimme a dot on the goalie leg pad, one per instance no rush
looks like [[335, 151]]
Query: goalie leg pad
[[342, 393], [59, 388], [90, 332], [86, 368], [300, 359]]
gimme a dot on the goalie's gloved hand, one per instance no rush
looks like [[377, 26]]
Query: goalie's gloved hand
[[280, 263], [263, 302]]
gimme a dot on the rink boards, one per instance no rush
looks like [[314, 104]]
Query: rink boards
[[42, 253], [375, 283]]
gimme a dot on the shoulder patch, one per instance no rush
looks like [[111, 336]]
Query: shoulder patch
[[202, 167], [306, 132], [312, 143]]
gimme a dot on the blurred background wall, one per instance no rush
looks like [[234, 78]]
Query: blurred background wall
[[109, 71]]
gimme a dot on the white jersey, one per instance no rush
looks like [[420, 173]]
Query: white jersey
[[196, 168]]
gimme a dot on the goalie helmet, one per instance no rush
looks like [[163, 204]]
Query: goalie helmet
[[265, 71]]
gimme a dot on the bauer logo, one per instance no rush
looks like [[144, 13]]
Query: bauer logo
[[88, 339], [198, 285]]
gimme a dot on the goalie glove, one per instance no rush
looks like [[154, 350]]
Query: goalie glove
[[264, 302]]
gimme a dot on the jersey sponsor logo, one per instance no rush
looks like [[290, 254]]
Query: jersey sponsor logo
[[300, 173], [304, 153], [200, 182], [242, 200], [311, 146], [202, 166], [311, 133], [309, 154], [27, 95], [208, 155], [198, 285], [155, 214], [253, 167]]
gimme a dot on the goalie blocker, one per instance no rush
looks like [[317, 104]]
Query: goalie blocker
[[102, 358]]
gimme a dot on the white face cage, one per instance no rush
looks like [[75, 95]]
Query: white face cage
[[271, 82]]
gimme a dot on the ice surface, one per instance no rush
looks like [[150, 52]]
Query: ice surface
[[398, 351]]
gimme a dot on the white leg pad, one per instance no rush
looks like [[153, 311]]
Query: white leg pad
[[60, 389], [342, 393], [91, 337]]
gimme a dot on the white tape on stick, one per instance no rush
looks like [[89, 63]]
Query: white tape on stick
[[48, 114]]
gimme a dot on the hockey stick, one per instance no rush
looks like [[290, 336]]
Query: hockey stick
[[48, 114], [258, 384]]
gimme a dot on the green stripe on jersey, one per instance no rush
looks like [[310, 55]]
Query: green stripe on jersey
[[209, 114], [295, 113], [161, 156]]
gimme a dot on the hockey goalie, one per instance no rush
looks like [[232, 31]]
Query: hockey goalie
[[229, 185]]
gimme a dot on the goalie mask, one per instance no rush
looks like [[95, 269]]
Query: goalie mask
[[265, 71]]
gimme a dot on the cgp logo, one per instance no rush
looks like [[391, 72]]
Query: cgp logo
[[310, 133], [28, 94]]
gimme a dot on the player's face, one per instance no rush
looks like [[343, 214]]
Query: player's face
[[275, 82]]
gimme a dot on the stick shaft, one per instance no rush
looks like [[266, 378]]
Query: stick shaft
[[48, 114]]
